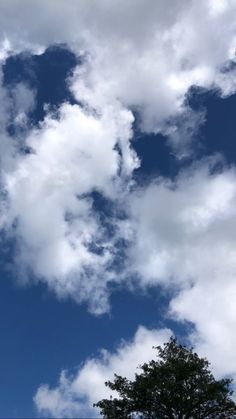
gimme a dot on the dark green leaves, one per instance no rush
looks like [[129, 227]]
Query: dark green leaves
[[178, 385]]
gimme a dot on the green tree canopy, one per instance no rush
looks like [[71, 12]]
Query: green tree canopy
[[178, 385]]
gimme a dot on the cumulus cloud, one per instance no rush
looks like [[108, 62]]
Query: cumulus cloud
[[49, 204], [134, 59], [177, 222], [145, 57], [144, 61], [74, 395], [184, 239], [210, 306], [162, 52]]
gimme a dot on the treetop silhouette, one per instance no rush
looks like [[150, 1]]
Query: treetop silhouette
[[178, 385]]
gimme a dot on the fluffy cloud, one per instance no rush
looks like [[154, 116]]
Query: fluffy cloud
[[145, 57], [178, 225], [144, 60], [210, 306], [74, 396], [162, 51], [181, 233], [134, 58], [48, 202], [184, 239]]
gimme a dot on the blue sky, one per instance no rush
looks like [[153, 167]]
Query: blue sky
[[118, 194], [40, 334]]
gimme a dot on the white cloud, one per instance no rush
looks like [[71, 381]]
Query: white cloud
[[184, 239], [135, 57], [48, 198], [145, 57], [45, 202], [176, 224], [210, 306], [163, 51], [75, 395]]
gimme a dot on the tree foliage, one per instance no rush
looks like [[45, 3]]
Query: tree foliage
[[178, 385]]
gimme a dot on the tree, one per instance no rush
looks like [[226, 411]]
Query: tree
[[178, 385]]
